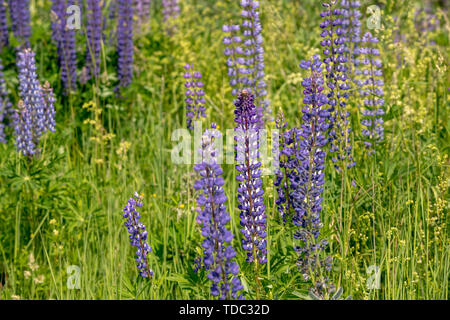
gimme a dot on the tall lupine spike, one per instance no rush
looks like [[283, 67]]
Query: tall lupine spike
[[232, 51], [6, 110], [56, 14], [213, 217], [371, 91], [250, 191], [20, 18], [125, 48], [171, 11], [30, 90], [195, 100], [307, 195], [142, 10], [23, 126], [94, 38], [35, 114], [351, 25], [65, 43], [138, 234], [284, 169], [49, 107], [110, 22], [336, 74], [4, 33], [246, 63]]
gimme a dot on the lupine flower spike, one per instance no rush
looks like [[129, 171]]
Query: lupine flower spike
[[250, 191], [351, 25], [4, 33], [6, 110], [171, 11], [213, 217], [66, 46], [245, 56], [20, 18], [284, 168], [195, 100], [125, 42], [49, 107], [334, 50], [36, 107], [142, 10], [94, 38], [307, 195], [371, 91], [138, 234]]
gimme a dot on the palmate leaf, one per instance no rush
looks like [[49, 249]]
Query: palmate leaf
[[336, 296]]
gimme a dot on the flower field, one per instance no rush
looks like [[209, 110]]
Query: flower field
[[224, 149]]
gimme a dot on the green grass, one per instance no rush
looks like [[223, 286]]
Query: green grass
[[65, 207]]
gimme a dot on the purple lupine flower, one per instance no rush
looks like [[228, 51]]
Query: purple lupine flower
[[284, 168], [30, 90], [142, 9], [19, 11], [4, 33], [351, 25], [195, 100], [251, 202], [94, 38], [213, 217], [111, 21], [49, 107], [308, 185], [36, 111], [65, 43], [245, 56], [138, 234], [23, 126], [171, 9], [334, 50], [371, 91], [56, 14], [125, 43], [6, 110]]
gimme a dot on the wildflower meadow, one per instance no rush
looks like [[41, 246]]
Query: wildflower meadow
[[224, 150]]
